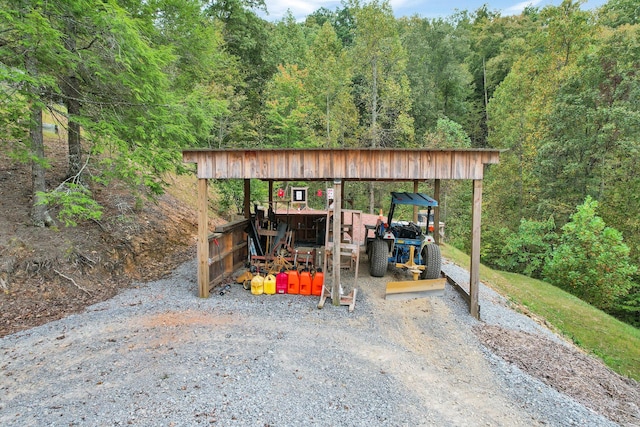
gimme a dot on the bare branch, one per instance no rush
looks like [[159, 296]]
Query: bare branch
[[74, 282], [75, 179], [89, 45]]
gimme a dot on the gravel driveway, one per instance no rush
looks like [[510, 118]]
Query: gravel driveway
[[156, 355]]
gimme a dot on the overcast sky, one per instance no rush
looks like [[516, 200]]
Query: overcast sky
[[424, 8]]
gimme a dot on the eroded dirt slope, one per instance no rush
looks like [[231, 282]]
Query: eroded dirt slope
[[47, 273]]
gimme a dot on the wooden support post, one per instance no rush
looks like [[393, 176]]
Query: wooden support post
[[415, 207], [247, 198], [337, 238], [203, 239], [436, 212], [271, 195], [474, 270]]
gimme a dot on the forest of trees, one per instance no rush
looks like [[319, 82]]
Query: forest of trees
[[135, 81]]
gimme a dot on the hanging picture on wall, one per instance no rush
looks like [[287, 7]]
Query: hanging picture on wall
[[299, 194]]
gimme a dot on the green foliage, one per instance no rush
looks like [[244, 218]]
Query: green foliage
[[231, 195], [615, 13], [448, 134], [627, 308], [287, 43], [329, 83], [591, 262], [246, 38], [439, 79], [342, 20], [289, 109], [74, 203], [382, 89], [529, 249], [497, 42], [456, 200]]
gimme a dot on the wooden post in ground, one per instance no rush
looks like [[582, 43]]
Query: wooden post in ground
[[415, 207], [337, 238], [203, 239], [474, 270], [247, 198], [436, 212]]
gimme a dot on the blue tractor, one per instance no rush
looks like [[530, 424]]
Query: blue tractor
[[403, 243]]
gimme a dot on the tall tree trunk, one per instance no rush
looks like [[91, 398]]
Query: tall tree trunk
[[71, 90], [486, 96], [328, 125], [374, 103], [73, 138], [374, 125], [39, 212]]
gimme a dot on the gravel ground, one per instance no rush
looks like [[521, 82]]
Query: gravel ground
[[156, 355]]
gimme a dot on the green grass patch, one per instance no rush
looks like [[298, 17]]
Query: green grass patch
[[615, 342]]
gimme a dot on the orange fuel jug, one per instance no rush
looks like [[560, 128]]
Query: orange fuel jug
[[305, 283], [293, 282], [317, 282]]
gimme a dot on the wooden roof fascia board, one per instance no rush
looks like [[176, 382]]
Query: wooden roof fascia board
[[476, 167], [310, 165], [491, 157], [366, 163], [385, 164], [211, 164], [400, 165], [221, 166], [236, 164], [443, 166], [414, 167], [348, 164], [253, 166], [295, 165], [338, 165], [353, 165], [424, 165], [459, 166], [324, 169]]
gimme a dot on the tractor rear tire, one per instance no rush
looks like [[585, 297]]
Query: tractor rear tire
[[378, 258], [432, 260]]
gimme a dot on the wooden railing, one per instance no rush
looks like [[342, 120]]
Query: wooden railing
[[227, 251]]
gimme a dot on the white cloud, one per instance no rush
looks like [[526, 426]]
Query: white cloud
[[398, 4], [519, 7], [299, 8]]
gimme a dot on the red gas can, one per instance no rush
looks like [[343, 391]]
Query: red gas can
[[282, 281]]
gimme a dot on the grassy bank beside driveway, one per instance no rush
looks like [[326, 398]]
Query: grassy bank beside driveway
[[615, 342]]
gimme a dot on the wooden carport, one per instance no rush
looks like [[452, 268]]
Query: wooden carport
[[340, 165]]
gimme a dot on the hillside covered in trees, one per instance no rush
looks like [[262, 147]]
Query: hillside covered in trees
[[133, 82]]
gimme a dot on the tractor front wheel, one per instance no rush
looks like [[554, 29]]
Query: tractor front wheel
[[432, 261], [378, 258]]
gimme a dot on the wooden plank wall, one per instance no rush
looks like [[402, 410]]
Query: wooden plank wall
[[229, 253]]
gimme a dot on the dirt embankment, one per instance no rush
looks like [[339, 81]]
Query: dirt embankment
[[47, 273]]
